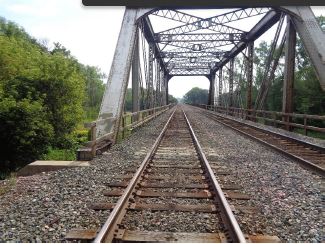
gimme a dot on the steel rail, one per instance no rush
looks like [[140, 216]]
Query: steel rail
[[303, 162], [106, 234], [229, 218]]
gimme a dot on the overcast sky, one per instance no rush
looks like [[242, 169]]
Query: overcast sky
[[90, 33]]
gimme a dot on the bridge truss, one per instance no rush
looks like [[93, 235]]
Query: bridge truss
[[197, 46]]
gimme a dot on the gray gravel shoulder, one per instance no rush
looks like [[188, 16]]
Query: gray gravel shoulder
[[289, 199], [44, 207]]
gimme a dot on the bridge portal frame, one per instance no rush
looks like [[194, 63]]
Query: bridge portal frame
[[112, 105]]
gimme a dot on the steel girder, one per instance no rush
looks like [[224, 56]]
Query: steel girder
[[215, 23], [312, 36], [194, 45], [263, 25], [199, 37], [113, 99]]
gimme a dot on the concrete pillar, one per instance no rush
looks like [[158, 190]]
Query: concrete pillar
[[289, 68]]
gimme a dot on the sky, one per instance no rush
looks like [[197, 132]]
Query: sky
[[90, 33]]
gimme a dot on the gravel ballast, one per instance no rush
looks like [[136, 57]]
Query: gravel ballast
[[288, 198], [44, 207]]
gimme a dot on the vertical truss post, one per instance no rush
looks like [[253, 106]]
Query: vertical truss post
[[162, 88], [135, 77], [289, 68], [249, 76], [157, 102], [150, 83], [220, 86], [109, 118], [211, 77], [166, 84], [231, 82]]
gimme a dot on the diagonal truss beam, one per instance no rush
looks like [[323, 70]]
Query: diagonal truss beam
[[216, 23], [262, 26], [176, 15]]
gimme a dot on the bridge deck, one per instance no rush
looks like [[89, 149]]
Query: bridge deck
[[285, 199]]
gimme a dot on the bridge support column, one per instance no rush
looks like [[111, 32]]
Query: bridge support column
[[150, 82], [231, 82], [250, 74], [211, 88], [289, 68], [167, 99], [220, 86], [135, 78], [112, 104]]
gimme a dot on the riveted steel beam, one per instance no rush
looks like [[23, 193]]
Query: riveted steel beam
[[249, 74], [312, 36], [261, 27], [113, 99], [199, 37], [289, 69], [231, 82], [220, 86], [217, 23]]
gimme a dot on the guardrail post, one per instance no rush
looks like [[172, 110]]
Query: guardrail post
[[93, 139], [305, 124]]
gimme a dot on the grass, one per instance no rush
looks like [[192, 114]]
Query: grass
[[60, 154], [7, 185], [313, 134]]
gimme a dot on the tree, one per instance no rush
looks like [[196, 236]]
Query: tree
[[25, 132], [196, 96]]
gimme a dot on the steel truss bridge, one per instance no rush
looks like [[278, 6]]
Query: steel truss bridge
[[210, 47]]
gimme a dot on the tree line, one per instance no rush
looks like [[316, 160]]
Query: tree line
[[44, 95]]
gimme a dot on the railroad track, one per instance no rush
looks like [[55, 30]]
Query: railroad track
[[308, 155], [174, 178]]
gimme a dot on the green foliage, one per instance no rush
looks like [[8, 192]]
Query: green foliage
[[196, 96], [25, 132], [172, 99], [43, 94], [94, 91], [60, 154]]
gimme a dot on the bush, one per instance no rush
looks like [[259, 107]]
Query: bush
[[25, 132]]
